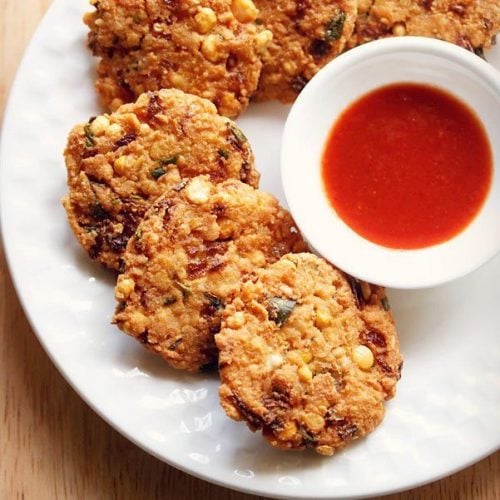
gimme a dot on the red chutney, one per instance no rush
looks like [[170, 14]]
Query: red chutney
[[407, 166]]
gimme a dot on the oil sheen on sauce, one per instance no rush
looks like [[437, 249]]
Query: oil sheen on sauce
[[407, 166]]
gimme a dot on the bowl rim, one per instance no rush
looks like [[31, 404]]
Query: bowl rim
[[481, 68]]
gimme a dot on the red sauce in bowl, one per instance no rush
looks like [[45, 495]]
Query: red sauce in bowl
[[407, 166]]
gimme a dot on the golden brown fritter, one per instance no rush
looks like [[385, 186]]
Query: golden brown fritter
[[472, 24], [186, 261], [307, 34], [119, 164], [208, 48], [308, 355]]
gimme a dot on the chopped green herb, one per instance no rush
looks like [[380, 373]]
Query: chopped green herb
[[279, 309], [258, 22], [171, 160], [308, 438], [89, 137], [165, 162], [385, 304], [169, 300], [158, 172], [186, 291], [215, 301], [238, 134], [334, 27], [175, 344], [224, 153], [136, 19], [138, 234]]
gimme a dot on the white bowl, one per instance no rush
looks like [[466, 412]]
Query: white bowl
[[330, 92]]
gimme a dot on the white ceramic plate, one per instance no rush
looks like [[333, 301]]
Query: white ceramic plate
[[447, 412]]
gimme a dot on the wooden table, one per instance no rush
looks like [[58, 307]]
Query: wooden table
[[52, 445]]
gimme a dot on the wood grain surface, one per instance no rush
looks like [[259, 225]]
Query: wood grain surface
[[55, 447]]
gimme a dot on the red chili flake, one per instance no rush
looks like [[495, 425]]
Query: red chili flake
[[254, 421], [154, 107], [375, 338], [319, 48], [125, 141], [458, 9], [298, 83], [465, 42], [231, 62]]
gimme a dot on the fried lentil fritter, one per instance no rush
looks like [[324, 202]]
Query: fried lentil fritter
[[308, 355], [186, 261], [118, 164], [208, 48], [307, 34], [472, 24]]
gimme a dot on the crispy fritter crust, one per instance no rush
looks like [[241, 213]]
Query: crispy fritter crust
[[472, 24], [307, 34], [186, 262], [119, 164], [208, 49], [288, 360]]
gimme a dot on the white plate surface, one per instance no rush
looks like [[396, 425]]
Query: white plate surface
[[446, 414]]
